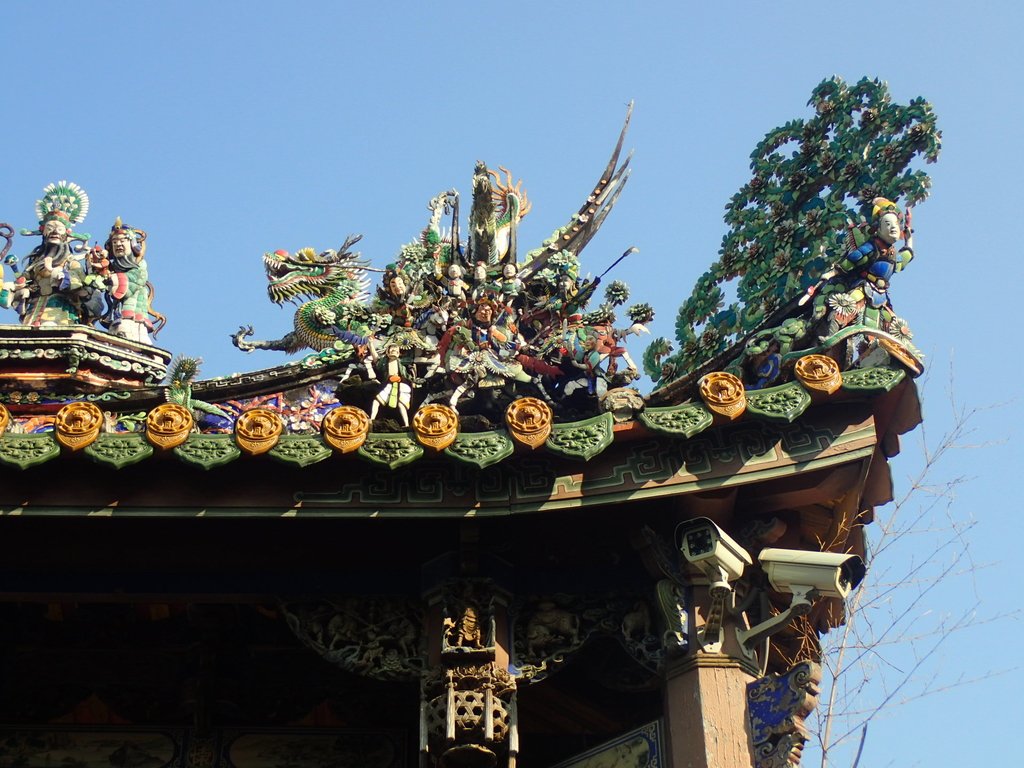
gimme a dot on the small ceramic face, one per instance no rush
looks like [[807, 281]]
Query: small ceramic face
[[54, 231], [889, 228], [393, 352], [397, 285], [484, 313], [479, 271], [454, 271], [121, 244], [508, 271]]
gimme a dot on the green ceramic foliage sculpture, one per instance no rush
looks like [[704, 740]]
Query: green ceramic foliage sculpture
[[787, 225]]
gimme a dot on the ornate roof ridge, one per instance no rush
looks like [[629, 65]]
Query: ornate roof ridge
[[82, 428]]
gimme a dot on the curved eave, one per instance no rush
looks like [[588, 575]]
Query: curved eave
[[123, 475]]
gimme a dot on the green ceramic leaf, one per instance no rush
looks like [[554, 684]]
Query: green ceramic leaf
[[119, 450], [300, 450], [25, 451], [783, 403], [582, 439], [481, 448], [677, 420], [391, 450], [208, 451], [873, 380]]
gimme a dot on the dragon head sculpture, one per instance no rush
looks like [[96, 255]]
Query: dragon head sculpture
[[309, 274]]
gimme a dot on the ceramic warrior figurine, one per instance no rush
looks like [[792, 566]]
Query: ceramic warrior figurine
[[510, 286], [482, 352], [395, 298], [122, 262], [454, 283], [51, 287], [860, 291], [397, 391]]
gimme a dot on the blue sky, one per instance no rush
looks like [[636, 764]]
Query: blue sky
[[227, 129]]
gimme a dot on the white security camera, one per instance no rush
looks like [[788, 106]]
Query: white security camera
[[807, 576], [827, 574], [711, 550]]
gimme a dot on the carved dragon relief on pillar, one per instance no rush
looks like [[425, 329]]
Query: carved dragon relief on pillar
[[777, 706]]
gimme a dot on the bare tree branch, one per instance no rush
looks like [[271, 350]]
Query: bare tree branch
[[881, 656]]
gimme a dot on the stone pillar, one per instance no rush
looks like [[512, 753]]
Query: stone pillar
[[706, 713]]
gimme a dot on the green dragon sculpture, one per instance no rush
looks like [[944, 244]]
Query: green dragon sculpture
[[498, 207], [335, 317]]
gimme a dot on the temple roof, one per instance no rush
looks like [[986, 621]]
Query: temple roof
[[466, 351]]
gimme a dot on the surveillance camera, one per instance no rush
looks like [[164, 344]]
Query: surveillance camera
[[807, 576], [828, 574], [709, 548]]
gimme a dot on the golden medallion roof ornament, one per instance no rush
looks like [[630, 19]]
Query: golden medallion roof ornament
[[436, 426], [529, 420], [77, 425], [345, 428], [258, 430], [819, 374], [168, 425], [723, 394]]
